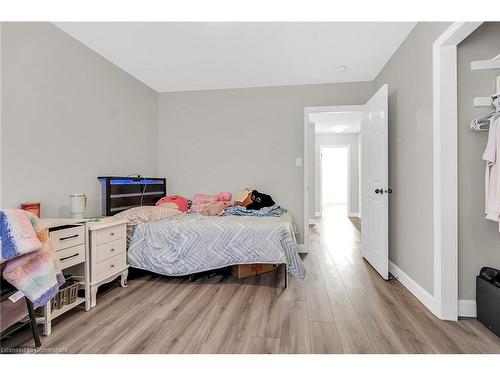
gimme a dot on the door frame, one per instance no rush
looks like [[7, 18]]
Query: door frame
[[320, 173], [445, 168], [307, 112]]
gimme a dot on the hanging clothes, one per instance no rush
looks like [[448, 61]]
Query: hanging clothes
[[492, 175]]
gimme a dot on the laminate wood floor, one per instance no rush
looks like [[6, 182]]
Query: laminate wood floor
[[343, 306]]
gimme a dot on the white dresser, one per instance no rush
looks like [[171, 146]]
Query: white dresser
[[108, 254]]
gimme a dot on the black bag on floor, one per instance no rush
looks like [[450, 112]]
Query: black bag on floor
[[488, 298]]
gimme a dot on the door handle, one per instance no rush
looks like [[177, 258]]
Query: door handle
[[379, 191]]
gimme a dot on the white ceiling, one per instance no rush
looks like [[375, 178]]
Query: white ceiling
[[195, 56], [336, 122]]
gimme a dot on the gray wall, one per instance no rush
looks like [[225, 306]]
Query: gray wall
[[409, 76], [1, 106], [330, 140], [479, 239], [68, 116], [312, 170], [219, 140]]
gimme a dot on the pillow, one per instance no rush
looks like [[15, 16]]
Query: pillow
[[144, 214], [168, 205], [181, 202]]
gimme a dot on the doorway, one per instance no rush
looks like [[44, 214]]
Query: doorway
[[334, 162], [373, 177], [334, 179]]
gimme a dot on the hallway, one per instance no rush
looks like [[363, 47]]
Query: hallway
[[343, 306]]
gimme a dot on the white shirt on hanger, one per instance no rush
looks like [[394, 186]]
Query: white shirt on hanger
[[492, 176]]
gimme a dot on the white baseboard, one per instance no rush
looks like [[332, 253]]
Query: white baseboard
[[317, 214], [302, 249], [467, 308], [353, 214], [413, 287]]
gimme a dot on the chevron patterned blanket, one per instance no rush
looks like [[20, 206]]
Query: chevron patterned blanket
[[192, 243]]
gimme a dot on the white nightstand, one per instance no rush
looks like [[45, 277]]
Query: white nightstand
[[68, 239], [108, 254]]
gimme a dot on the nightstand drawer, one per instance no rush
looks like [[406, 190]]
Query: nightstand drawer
[[110, 234], [68, 237], [110, 249], [71, 256], [109, 266]]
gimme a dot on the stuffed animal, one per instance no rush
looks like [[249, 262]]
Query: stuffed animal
[[213, 209], [244, 198], [201, 198], [225, 196], [260, 200]]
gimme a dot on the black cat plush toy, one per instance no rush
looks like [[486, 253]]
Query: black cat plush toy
[[260, 200]]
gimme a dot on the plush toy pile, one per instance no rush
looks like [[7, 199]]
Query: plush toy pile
[[212, 205]]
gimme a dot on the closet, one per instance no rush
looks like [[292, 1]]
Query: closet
[[478, 63]]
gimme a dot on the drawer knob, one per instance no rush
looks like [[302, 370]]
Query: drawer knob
[[112, 249], [112, 233], [112, 266]]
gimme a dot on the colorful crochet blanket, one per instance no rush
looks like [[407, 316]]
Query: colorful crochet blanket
[[31, 265]]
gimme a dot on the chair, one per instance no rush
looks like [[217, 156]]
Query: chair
[[12, 313]]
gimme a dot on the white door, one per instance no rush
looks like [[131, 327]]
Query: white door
[[374, 179]]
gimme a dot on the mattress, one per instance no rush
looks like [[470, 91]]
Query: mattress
[[192, 243]]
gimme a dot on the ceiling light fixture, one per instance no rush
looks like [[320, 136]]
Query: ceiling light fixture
[[339, 128], [341, 68]]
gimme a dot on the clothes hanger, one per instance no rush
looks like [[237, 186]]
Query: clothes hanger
[[483, 122]]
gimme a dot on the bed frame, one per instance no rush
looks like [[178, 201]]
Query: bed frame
[[121, 193]]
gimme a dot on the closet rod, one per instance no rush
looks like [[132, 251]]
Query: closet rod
[[494, 63], [485, 101]]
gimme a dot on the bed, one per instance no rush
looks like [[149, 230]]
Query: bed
[[191, 243]]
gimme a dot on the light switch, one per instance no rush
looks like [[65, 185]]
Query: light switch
[[299, 162]]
